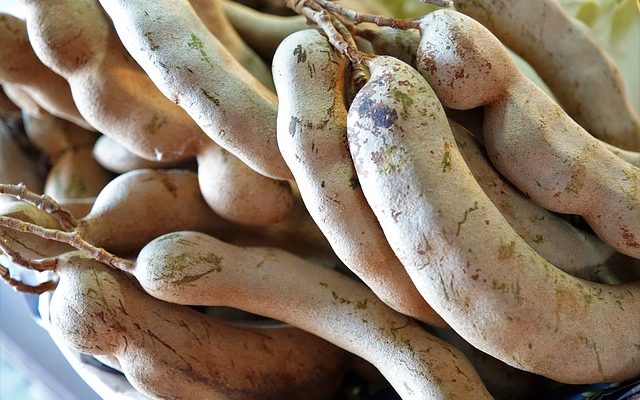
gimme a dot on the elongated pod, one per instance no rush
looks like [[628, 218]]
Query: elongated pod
[[53, 136], [263, 32], [575, 252], [171, 351], [20, 67], [193, 268], [214, 18], [15, 165], [23, 100], [76, 175], [311, 79], [114, 157], [530, 140], [583, 78], [191, 67], [76, 40], [239, 194], [463, 256]]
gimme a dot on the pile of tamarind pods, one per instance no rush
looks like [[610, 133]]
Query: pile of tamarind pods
[[396, 192]]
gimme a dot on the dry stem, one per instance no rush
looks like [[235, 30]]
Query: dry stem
[[43, 202], [380, 20], [15, 257], [23, 287], [70, 238]]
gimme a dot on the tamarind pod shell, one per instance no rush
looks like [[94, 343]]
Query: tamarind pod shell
[[463, 256], [193, 69], [22, 69], [53, 136], [274, 283], [566, 55], [529, 139], [239, 194], [171, 351], [311, 79], [214, 18], [23, 100], [77, 41], [140, 205], [76, 175], [116, 158], [263, 32]]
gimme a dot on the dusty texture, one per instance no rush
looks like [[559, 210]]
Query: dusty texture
[[574, 251], [237, 193], [169, 351], [214, 18], [263, 32], [114, 157], [193, 69], [312, 126], [193, 268], [529, 139], [584, 79], [463, 256], [76, 40], [21, 68]]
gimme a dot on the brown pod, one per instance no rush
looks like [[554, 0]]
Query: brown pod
[[22, 69], [171, 351], [462, 254], [15, 165], [116, 158], [193, 268], [76, 175], [53, 136], [192, 68], [312, 128], [23, 100], [529, 139], [566, 55]]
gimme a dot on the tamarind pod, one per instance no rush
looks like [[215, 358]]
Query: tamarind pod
[[213, 17], [79, 208], [7, 107], [171, 351], [239, 194], [632, 157], [116, 158], [462, 254], [573, 251], [554, 44], [21, 68], [143, 204], [23, 100], [387, 41], [76, 175], [263, 32], [76, 40], [192, 68], [28, 245], [53, 136], [310, 79], [529, 139], [15, 165], [276, 284]]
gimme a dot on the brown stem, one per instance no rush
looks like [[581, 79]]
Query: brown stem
[[358, 18], [70, 238], [15, 257], [43, 202], [23, 287]]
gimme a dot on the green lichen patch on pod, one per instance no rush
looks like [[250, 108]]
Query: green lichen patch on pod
[[311, 79], [324, 302], [583, 78], [192, 68], [169, 351], [482, 278], [529, 139]]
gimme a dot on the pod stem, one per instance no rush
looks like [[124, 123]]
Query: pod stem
[[15, 257], [20, 286], [63, 216], [380, 20], [71, 238]]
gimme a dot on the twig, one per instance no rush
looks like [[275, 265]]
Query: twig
[[43, 202], [15, 257], [23, 287], [70, 238], [358, 18]]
